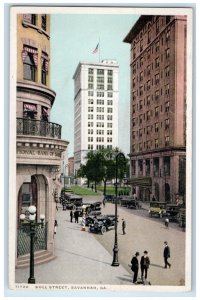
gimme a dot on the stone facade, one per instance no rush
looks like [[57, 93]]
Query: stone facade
[[39, 146], [158, 106]]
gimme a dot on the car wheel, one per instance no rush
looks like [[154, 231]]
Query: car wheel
[[103, 229]]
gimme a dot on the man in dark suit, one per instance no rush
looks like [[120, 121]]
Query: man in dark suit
[[135, 266], [166, 254]]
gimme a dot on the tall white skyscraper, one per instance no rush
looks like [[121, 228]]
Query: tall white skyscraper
[[95, 108]]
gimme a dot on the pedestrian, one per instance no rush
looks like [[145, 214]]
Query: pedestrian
[[144, 264], [104, 201], [166, 222], [71, 216], [92, 187], [153, 198], [135, 266], [55, 226], [123, 226], [166, 254], [76, 216]]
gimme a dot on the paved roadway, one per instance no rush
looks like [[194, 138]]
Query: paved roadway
[[86, 258]]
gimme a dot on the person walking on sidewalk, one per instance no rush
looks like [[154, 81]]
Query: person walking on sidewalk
[[135, 266], [123, 226], [144, 264], [71, 216], [166, 254], [55, 226], [76, 215]]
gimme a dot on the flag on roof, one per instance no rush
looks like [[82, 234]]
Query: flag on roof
[[96, 49]]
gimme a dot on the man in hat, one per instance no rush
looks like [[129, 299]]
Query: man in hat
[[135, 266], [144, 264], [166, 254], [123, 226]]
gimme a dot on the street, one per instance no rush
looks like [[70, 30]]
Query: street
[[85, 258]]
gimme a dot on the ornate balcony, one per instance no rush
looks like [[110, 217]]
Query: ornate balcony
[[38, 128]]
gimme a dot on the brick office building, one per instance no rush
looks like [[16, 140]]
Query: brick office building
[[158, 107]]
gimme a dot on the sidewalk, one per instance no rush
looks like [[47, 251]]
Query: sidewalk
[[81, 259]]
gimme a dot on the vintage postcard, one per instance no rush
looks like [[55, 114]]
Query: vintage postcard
[[101, 115]]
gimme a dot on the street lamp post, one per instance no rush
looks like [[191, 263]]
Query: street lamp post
[[31, 220], [115, 262]]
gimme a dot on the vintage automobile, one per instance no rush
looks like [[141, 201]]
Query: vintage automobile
[[71, 201], [109, 198], [157, 209], [129, 202], [172, 211], [102, 224]]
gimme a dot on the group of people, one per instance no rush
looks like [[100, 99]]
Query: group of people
[[145, 263], [74, 215]]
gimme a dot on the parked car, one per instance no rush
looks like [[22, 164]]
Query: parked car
[[130, 202], [157, 209], [102, 224], [109, 198], [71, 201], [172, 211]]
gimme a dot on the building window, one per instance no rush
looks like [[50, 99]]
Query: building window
[[90, 147], [141, 61], [141, 76], [90, 71], [148, 115], [100, 72], [134, 69], [140, 167], [167, 106], [149, 37], [156, 127], [109, 110], [109, 132], [30, 18], [90, 78], [109, 125], [90, 101], [30, 61], [148, 100], [167, 53], [148, 53], [133, 167], [45, 114], [157, 26], [167, 35], [44, 22], [134, 53], [156, 167], [110, 80], [157, 94], [100, 102], [109, 117], [167, 71], [140, 132], [157, 78], [157, 62], [100, 117], [148, 85], [100, 124], [140, 119], [109, 87], [167, 89], [90, 124], [167, 141], [100, 86], [147, 167], [141, 45], [157, 46], [166, 161], [90, 131], [90, 117], [148, 145], [29, 111], [100, 79], [100, 109], [44, 63], [100, 132], [110, 94], [166, 124], [156, 111], [109, 102], [90, 139], [100, 94], [90, 93], [90, 109], [90, 86], [148, 69], [141, 90], [110, 72], [140, 104]]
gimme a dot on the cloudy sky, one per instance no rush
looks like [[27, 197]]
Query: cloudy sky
[[73, 38]]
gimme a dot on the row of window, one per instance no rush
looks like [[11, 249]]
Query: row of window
[[99, 132], [99, 109], [99, 79], [34, 20], [100, 124], [148, 129], [150, 83], [146, 72], [100, 94], [30, 63], [99, 117], [141, 104], [147, 116], [99, 147], [99, 139], [159, 168], [148, 145], [100, 71], [163, 41], [100, 87]]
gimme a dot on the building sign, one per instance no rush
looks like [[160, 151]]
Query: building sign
[[39, 153]]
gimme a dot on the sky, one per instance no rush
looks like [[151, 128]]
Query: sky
[[73, 39]]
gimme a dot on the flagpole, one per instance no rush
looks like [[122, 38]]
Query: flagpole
[[99, 50]]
